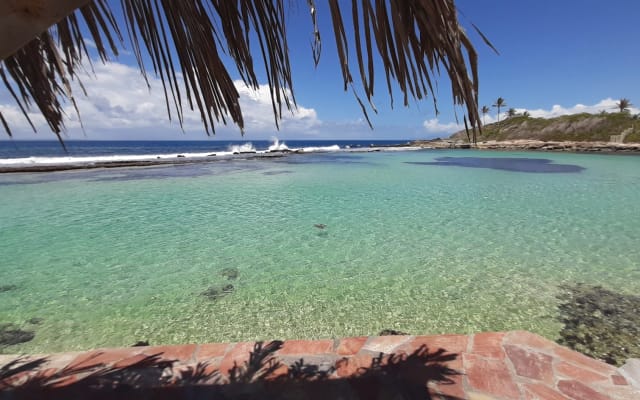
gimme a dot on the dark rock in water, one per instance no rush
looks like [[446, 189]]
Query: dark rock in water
[[320, 226], [211, 155], [141, 343], [11, 335], [7, 288], [600, 323], [230, 273], [270, 173], [180, 155], [513, 164], [35, 321], [391, 332], [216, 292]]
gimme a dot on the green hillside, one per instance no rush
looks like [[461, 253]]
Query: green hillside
[[577, 127]]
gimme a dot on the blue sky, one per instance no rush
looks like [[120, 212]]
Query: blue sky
[[556, 57]]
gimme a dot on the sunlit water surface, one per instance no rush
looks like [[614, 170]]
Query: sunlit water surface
[[111, 257]]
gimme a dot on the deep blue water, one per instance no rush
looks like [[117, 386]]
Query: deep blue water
[[20, 149]]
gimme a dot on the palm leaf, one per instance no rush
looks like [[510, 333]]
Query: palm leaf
[[185, 42]]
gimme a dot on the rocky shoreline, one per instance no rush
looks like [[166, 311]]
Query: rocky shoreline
[[519, 145], [179, 160], [532, 145]]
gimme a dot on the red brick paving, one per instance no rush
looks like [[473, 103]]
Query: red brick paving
[[350, 366], [350, 346], [184, 352], [488, 345], [236, 356], [385, 344], [531, 364], [494, 366], [490, 376], [618, 380], [566, 370], [295, 347], [211, 350], [584, 361], [579, 391], [537, 391]]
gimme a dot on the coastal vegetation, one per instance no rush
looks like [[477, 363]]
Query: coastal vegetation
[[576, 127], [500, 102], [485, 110], [624, 104]]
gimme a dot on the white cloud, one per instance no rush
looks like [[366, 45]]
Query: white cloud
[[434, 127], [489, 119], [120, 105], [607, 105], [90, 43]]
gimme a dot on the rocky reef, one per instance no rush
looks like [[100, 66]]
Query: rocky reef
[[230, 273], [11, 335], [600, 323], [7, 288], [217, 292], [531, 144]]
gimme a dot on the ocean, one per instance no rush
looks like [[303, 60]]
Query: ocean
[[319, 245], [51, 151]]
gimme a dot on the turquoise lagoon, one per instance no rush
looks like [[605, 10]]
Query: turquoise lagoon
[[111, 257]]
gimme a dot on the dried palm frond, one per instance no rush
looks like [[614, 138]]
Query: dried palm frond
[[185, 41]]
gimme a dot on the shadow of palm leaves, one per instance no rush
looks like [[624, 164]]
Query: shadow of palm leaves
[[262, 376]]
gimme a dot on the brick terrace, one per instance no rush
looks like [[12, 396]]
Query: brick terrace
[[484, 366]]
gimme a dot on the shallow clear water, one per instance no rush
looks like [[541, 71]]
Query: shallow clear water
[[110, 257]]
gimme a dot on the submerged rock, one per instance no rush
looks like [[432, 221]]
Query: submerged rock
[[141, 343], [216, 292], [35, 321], [391, 332], [11, 335], [600, 323], [7, 288], [230, 273]]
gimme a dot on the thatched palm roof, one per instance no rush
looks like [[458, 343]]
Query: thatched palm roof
[[42, 49]]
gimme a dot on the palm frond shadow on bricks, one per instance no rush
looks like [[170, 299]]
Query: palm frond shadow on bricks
[[262, 376]]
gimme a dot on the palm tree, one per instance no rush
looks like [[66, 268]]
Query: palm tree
[[499, 104], [624, 104], [512, 113], [185, 42], [485, 111]]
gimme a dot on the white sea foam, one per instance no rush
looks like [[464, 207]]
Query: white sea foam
[[278, 146], [97, 159], [245, 148], [322, 149], [242, 148]]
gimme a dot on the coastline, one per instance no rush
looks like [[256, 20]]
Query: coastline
[[182, 159], [179, 160], [435, 144], [532, 145]]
